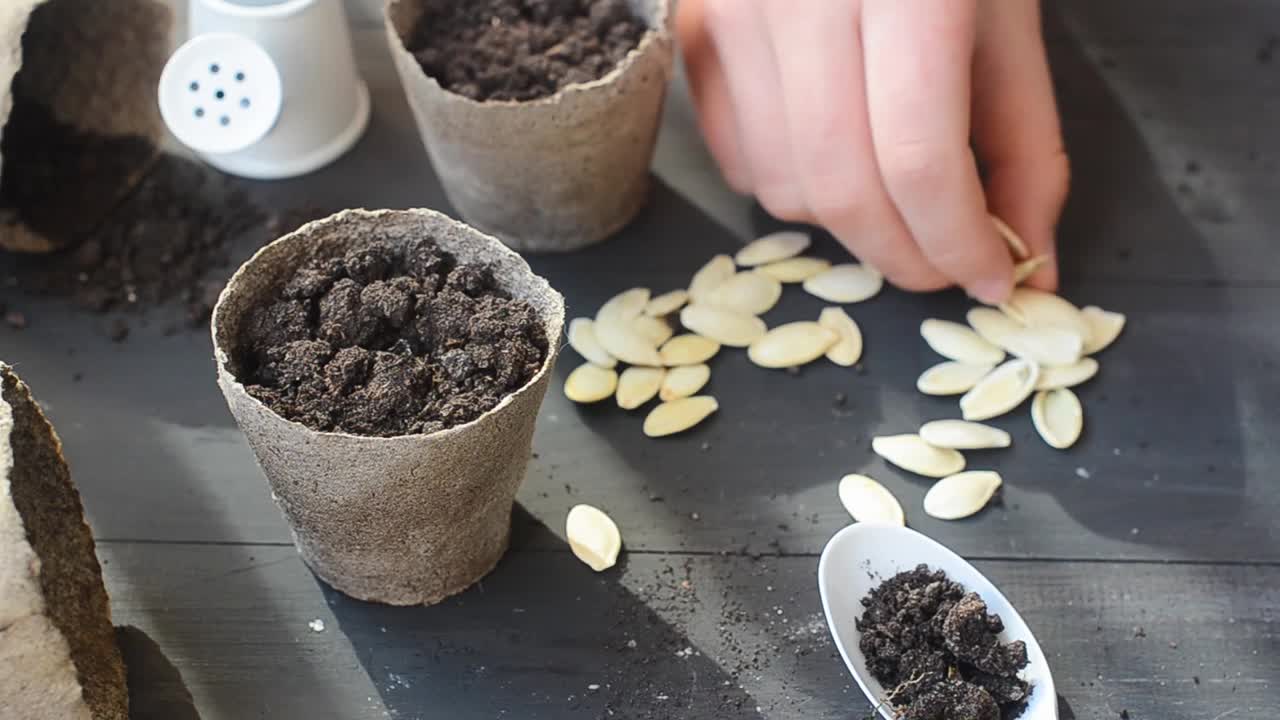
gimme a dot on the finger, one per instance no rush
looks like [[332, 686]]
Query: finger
[[819, 59], [709, 91], [1017, 132], [741, 38], [918, 55]]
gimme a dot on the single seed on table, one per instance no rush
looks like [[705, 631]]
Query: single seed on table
[[638, 385], [961, 495], [677, 416], [747, 292], [1104, 328], [913, 454], [1066, 376], [726, 327], [951, 378], [593, 537], [1017, 247], [582, 338], [964, 435], [772, 248], [625, 306], [589, 383], [626, 343], [792, 345], [666, 303], [688, 349], [1037, 308], [1027, 268], [959, 342], [708, 278], [1058, 417], [1045, 345], [656, 330], [848, 283], [848, 349], [993, 325], [683, 382], [1001, 391], [869, 502], [794, 270]]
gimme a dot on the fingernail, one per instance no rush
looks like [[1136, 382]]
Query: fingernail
[[993, 290]]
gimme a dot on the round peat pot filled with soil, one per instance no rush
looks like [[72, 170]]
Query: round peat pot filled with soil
[[387, 368], [540, 116]]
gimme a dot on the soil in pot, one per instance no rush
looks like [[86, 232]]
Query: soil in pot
[[522, 49], [389, 340], [934, 648]]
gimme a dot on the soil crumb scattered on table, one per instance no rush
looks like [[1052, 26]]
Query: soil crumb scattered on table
[[522, 49], [387, 341], [934, 648]]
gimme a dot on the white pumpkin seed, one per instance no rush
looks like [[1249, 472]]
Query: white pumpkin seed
[[623, 307], [1001, 391], [683, 382], [869, 502], [666, 303], [848, 283], [848, 349], [792, 345], [794, 270], [772, 248], [1045, 345], [593, 537], [1027, 268], [913, 454], [726, 327], [1017, 247], [1104, 328], [677, 416], [688, 349], [1058, 417], [1037, 308], [655, 330], [961, 495], [1065, 376], [708, 278], [582, 338], [993, 325], [638, 385], [747, 292], [964, 435], [627, 344], [951, 378], [959, 342], [589, 383]]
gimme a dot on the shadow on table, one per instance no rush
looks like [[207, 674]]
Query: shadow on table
[[156, 689]]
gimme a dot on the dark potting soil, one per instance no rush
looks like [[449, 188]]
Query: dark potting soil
[[934, 648], [389, 341], [522, 49]]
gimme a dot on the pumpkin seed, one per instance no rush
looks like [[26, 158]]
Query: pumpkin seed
[[792, 345], [848, 283], [726, 327], [961, 495], [747, 292], [1037, 308], [1027, 268], [688, 349], [1065, 376], [959, 342], [1017, 247], [626, 343], [772, 248], [666, 303], [1058, 417], [593, 537], [589, 383], [951, 378], [655, 330], [964, 435], [794, 270], [993, 325], [1045, 345], [913, 454], [1104, 328], [677, 416], [623, 307], [638, 385], [582, 338], [1001, 391], [684, 381], [869, 502], [708, 278], [848, 349]]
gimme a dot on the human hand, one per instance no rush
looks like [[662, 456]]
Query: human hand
[[858, 115]]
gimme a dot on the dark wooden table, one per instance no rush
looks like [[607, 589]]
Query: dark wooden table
[[1147, 558]]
